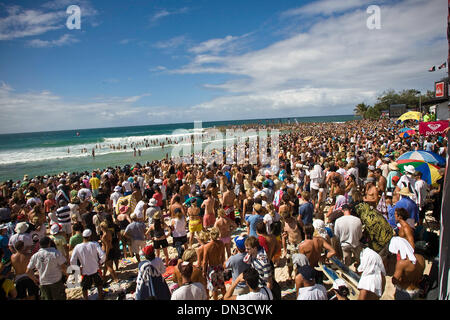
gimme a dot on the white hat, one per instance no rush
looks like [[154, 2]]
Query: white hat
[[410, 169], [87, 233], [21, 227], [371, 168], [3, 226], [55, 228], [117, 188], [152, 202], [158, 181]]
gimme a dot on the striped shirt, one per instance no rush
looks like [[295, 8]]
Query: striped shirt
[[262, 264], [63, 214]]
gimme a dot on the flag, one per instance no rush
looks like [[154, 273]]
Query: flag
[[444, 65], [432, 69]]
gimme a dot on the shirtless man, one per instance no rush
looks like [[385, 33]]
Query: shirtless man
[[228, 202], [226, 227], [371, 196], [291, 237], [382, 182], [408, 272], [214, 258], [404, 229], [176, 204], [26, 288], [184, 190], [210, 214], [312, 246]]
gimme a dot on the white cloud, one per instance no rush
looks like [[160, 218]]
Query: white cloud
[[44, 110], [171, 43], [165, 13], [327, 7], [64, 40], [338, 57], [215, 46], [20, 22]]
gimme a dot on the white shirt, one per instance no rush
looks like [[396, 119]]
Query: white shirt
[[348, 229], [114, 197], [268, 220], [127, 185], [90, 255], [421, 192], [47, 261], [179, 227], [193, 291], [316, 292], [139, 209], [261, 295]]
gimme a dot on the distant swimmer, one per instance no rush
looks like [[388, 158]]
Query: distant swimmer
[[78, 134], [68, 150], [93, 152]]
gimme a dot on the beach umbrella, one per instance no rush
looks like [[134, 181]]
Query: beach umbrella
[[411, 115], [430, 172], [407, 134], [307, 138], [405, 129], [424, 156]]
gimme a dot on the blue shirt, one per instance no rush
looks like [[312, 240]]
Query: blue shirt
[[237, 265], [409, 205], [306, 211], [252, 222]]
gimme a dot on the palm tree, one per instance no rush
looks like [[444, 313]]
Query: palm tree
[[361, 109]]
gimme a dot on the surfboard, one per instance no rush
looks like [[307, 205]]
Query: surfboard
[[345, 271], [332, 276]]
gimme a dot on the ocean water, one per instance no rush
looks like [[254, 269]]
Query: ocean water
[[53, 152]]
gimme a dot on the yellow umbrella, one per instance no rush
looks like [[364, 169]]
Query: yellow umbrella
[[411, 115], [307, 138]]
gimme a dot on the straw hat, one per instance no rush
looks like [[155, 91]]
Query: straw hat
[[393, 166], [405, 192]]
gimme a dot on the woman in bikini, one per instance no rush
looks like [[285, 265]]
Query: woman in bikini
[[226, 227], [195, 221]]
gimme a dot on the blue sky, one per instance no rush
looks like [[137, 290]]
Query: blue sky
[[143, 62]]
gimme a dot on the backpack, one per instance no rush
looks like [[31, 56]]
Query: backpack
[[155, 288]]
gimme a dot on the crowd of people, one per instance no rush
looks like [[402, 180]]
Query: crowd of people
[[337, 192]]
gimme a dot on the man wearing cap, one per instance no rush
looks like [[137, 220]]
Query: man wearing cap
[[114, 197], [306, 286], [410, 206], [237, 265], [408, 181], [151, 270], [22, 235], [90, 256], [393, 172], [151, 210], [51, 267]]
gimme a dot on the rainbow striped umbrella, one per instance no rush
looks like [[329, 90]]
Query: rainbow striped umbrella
[[423, 156], [405, 129], [430, 172]]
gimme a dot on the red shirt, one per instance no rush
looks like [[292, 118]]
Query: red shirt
[[263, 243], [180, 175], [48, 204], [158, 196]]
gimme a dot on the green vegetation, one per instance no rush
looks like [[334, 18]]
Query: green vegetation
[[410, 97]]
